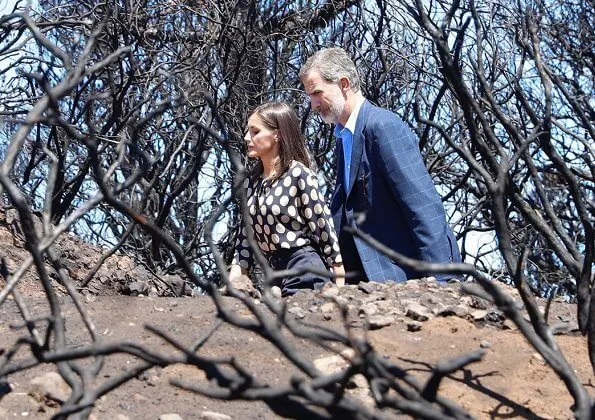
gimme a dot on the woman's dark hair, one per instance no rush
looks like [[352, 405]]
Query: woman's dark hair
[[292, 145]]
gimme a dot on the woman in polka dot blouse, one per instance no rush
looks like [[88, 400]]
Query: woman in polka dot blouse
[[286, 212]]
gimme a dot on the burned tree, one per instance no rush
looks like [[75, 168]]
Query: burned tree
[[123, 123]]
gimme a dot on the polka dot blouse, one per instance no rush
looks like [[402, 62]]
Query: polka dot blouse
[[286, 213]]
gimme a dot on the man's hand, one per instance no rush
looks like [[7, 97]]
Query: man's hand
[[339, 271]]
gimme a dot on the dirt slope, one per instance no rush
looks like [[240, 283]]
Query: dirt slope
[[511, 381]]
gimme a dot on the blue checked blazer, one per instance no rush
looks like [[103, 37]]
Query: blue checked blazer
[[389, 182]]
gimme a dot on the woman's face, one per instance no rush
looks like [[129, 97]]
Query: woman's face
[[261, 140]]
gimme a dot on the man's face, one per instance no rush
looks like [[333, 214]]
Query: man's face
[[326, 98]]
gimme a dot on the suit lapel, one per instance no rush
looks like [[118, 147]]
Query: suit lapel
[[358, 145]]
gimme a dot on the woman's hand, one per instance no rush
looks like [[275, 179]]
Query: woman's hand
[[235, 271], [339, 271]]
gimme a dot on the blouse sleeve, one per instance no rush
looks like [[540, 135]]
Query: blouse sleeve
[[317, 217], [243, 253]]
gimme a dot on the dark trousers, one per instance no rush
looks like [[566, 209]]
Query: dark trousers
[[304, 258]]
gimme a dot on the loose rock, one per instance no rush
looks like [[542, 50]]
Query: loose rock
[[363, 394], [358, 381], [366, 287], [212, 415], [537, 359], [479, 315], [328, 307], [330, 364], [297, 312], [379, 321], [243, 284], [564, 328], [170, 416], [414, 326], [418, 312], [276, 292], [459, 310], [330, 292], [479, 303], [51, 386], [509, 325], [368, 309], [485, 344], [138, 287]]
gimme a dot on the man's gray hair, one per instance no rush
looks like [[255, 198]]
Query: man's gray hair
[[332, 64]]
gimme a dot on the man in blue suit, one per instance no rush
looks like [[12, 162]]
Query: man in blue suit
[[380, 173]]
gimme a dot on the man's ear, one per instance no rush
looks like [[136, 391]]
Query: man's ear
[[344, 83]]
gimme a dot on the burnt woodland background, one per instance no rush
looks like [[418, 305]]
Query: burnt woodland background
[[122, 121]]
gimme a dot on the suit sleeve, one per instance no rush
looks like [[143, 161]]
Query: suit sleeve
[[397, 154]]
